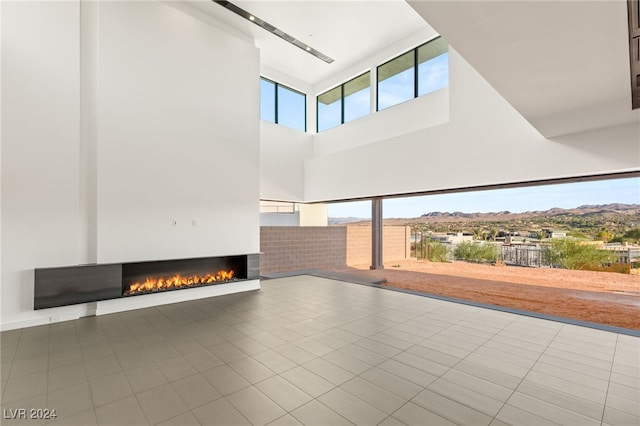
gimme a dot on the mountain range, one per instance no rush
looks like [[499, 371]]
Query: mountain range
[[587, 210]]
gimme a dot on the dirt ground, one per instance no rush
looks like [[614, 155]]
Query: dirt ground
[[599, 297]]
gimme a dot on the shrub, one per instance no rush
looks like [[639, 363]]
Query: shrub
[[473, 252], [437, 252], [571, 254]]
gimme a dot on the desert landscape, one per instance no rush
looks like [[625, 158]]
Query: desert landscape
[[600, 297]]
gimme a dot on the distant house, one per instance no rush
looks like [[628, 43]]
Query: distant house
[[624, 253], [451, 237], [517, 239], [554, 233]]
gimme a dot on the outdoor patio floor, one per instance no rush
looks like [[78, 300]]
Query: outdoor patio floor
[[316, 351]]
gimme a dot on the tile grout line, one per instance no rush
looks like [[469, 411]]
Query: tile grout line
[[196, 373], [355, 375], [222, 396], [525, 376], [239, 318], [606, 397], [534, 363], [227, 364], [464, 358], [95, 414], [13, 360], [457, 323]]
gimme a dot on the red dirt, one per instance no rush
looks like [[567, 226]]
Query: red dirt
[[600, 297]]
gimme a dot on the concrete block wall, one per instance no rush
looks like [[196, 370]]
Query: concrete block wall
[[396, 244], [290, 248]]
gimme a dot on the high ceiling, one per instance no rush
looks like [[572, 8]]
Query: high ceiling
[[347, 31], [563, 64]]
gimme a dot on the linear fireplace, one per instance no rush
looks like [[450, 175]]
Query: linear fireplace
[[152, 277], [90, 283]]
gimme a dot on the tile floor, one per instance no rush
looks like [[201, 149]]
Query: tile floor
[[313, 351]]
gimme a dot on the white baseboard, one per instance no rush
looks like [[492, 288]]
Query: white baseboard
[[67, 313], [49, 316], [148, 300]]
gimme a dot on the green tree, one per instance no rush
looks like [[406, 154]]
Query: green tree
[[605, 235], [578, 234], [633, 235], [571, 254]]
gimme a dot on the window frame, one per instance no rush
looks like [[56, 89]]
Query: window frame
[[341, 108], [416, 70], [341, 86], [275, 100], [276, 85]]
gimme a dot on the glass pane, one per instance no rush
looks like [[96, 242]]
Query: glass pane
[[267, 100], [431, 49], [433, 66], [357, 97], [291, 109], [396, 81], [329, 109], [433, 74]]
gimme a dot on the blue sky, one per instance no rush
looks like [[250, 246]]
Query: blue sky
[[432, 75], [567, 195]]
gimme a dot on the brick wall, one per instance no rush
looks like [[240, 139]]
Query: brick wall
[[290, 248], [396, 244]]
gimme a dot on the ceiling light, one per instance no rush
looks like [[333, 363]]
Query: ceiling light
[[276, 31]]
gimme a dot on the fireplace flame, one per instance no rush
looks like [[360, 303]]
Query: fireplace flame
[[178, 281]]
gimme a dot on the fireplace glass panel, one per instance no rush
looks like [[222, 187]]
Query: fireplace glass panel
[[155, 276]]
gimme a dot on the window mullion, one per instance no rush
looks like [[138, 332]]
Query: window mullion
[[317, 114], [342, 103], [377, 94], [275, 100], [415, 72]]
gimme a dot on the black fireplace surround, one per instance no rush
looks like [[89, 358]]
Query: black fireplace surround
[[69, 285]]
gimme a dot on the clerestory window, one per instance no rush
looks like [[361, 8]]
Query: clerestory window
[[282, 105], [417, 72], [344, 103]]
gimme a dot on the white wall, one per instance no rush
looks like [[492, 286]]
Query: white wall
[[423, 112], [284, 150], [282, 155], [305, 215], [40, 147], [476, 147], [101, 152], [177, 136], [313, 215], [280, 219]]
